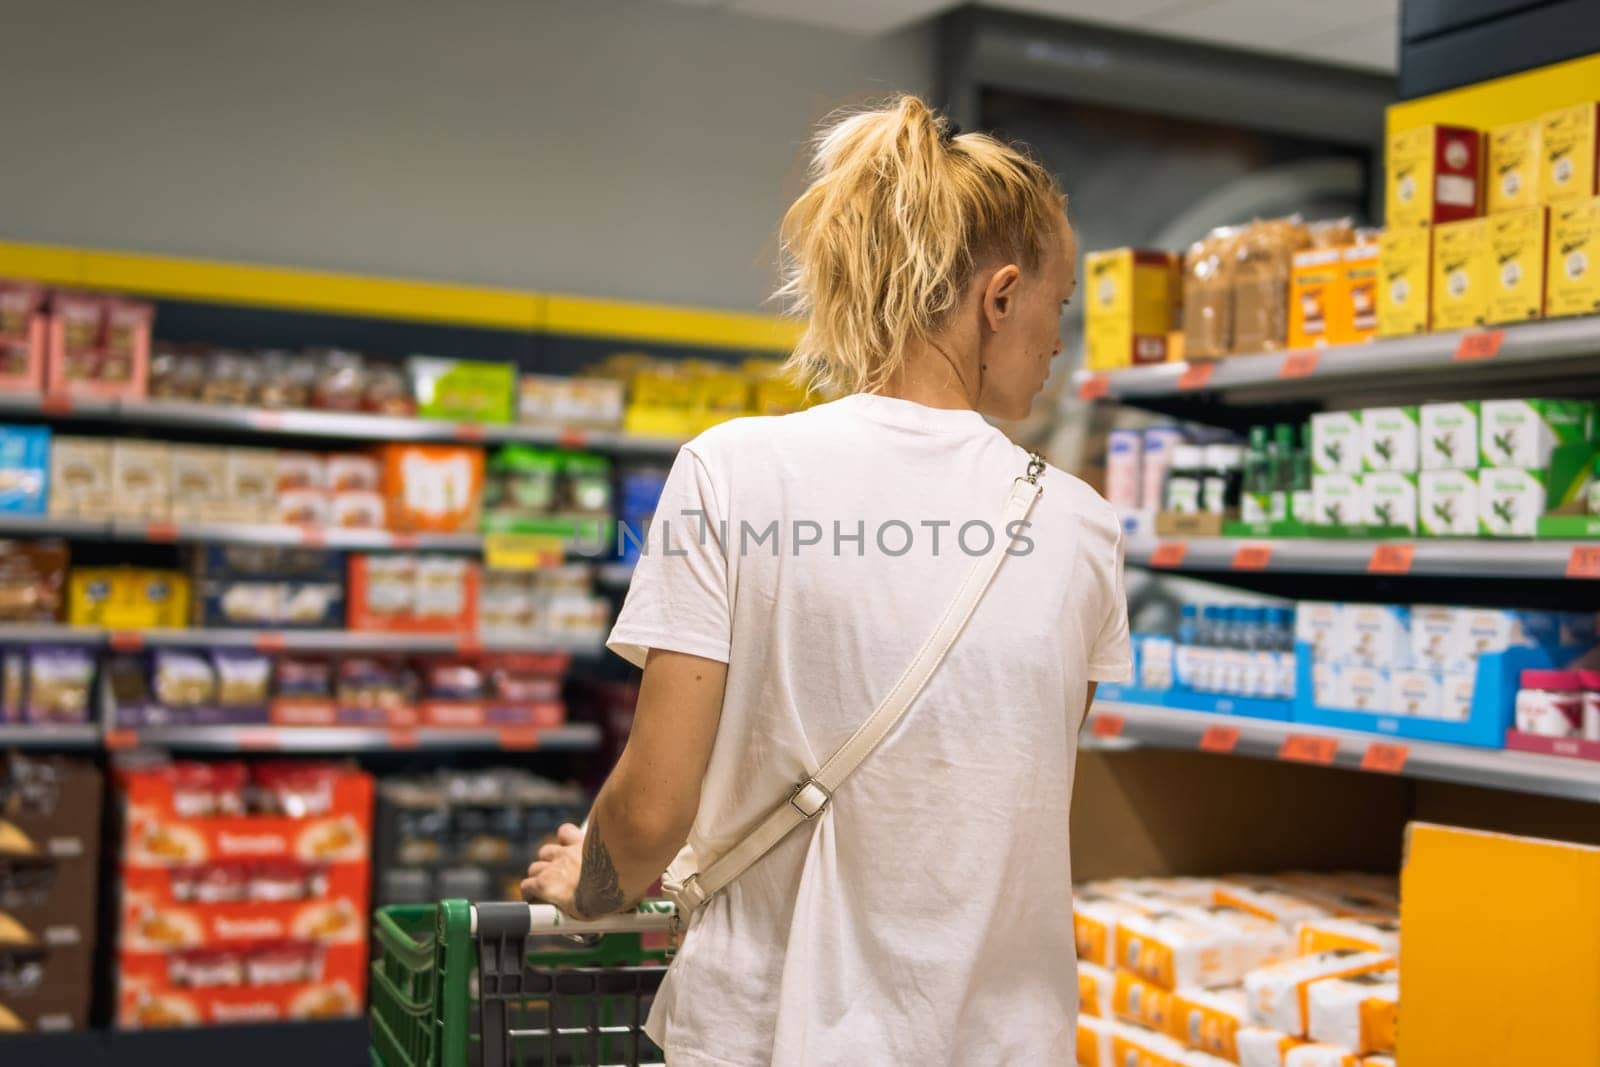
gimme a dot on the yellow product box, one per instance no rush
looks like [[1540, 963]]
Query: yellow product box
[[1463, 274], [1433, 175], [1405, 276], [1570, 150], [1209, 1020], [1133, 1000], [1356, 935], [1096, 986], [1358, 1013], [1316, 297], [1529, 995], [1513, 171], [1358, 315], [1517, 241], [127, 598], [1572, 270], [1132, 306], [720, 396]]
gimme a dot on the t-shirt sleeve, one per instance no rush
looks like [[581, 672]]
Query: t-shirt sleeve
[[678, 599], [1110, 658]]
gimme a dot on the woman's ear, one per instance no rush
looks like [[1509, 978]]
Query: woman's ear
[[1000, 295]]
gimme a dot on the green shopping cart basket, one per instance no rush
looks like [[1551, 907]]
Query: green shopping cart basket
[[549, 990]]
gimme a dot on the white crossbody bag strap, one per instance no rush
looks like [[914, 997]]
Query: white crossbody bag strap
[[810, 798]]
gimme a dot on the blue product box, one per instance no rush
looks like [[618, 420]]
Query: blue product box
[[1131, 692], [1494, 698], [267, 586], [24, 469], [1223, 704]]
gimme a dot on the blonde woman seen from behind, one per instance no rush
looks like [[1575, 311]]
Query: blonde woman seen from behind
[[796, 566]]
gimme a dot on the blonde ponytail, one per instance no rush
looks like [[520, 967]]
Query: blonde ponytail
[[898, 216]]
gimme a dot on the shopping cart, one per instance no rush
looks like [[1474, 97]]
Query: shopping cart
[[550, 990]]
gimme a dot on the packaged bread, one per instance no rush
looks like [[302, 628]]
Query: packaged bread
[[1169, 892], [1210, 1019], [1208, 270], [1197, 946], [1133, 1000], [1358, 1012], [1359, 935], [1278, 994], [1094, 922], [1094, 1041], [1268, 898], [1263, 259], [1095, 987], [1135, 1046], [1260, 1046], [1321, 1056], [1258, 942], [1331, 233]]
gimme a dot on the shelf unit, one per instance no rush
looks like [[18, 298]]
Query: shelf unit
[[49, 737], [1115, 725], [573, 737], [1422, 556]]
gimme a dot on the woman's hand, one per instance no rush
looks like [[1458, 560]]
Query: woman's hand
[[553, 877]]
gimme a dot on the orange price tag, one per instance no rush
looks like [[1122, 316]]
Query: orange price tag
[[1196, 375], [271, 642], [55, 404], [1299, 364], [1385, 757], [126, 640], [469, 431], [121, 740], [164, 532], [572, 439], [263, 740], [1480, 344], [1309, 748], [403, 737], [1391, 558], [1169, 554], [468, 645], [1252, 557], [519, 738], [267, 420], [1094, 387], [403, 540], [1584, 562], [1220, 739], [1107, 724], [314, 536]]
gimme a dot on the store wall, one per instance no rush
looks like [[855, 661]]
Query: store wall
[[626, 149]]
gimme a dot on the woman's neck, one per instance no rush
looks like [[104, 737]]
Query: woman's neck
[[932, 377]]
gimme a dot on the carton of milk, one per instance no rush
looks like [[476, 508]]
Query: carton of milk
[[1448, 436]]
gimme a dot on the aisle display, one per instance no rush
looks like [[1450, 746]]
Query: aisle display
[[244, 893], [49, 891], [1260, 971]]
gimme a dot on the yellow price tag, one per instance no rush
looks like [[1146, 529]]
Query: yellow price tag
[[522, 552]]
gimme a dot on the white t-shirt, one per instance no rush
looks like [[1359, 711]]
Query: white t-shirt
[[925, 916]]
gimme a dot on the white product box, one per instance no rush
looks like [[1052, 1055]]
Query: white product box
[[1367, 689], [1438, 639], [1124, 454], [1327, 685], [1389, 498], [1510, 501], [1336, 500], [1455, 696], [1389, 439], [1277, 993], [1233, 669], [1448, 436], [1375, 635], [1414, 692], [1156, 656], [1447, 503], [1205, 669], [1488, 630], [1316, 623], [1523, 433], [1336, 444], [1262, 1047]]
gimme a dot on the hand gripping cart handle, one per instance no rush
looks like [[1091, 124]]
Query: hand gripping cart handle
[[551, 990]]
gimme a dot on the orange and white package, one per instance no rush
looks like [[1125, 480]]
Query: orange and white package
[[1094, 923], [1359, 1012], [1094, 1041], [1321, 1056], [1360, 935], [1259, 942], [1378, 1061], [1210, 1019], [1134, 1046], [1262, 1047], [1133, 1000], [1196, 1058], [1347, 894], [1095, 986], [1174, 892], [1280, 995], [1268, 898], [1177, 948]]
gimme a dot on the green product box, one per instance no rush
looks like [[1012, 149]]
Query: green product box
[[1390, 499], [1389, 439], [1337, 499], [463, 390], [1447, 503], [1336, 444], [1524, 433], [1449, 436], [1511, 501]]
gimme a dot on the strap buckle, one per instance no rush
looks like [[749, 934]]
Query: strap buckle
[[809, 798]]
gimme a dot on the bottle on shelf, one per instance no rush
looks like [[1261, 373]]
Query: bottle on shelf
[[1255, 499], [1184, 480], [1301, 509], [1219, 493], [1282, 467]]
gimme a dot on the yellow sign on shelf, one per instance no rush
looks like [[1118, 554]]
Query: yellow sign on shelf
[[522, 552]]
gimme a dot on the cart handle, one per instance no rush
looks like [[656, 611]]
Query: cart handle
[[533, 919]]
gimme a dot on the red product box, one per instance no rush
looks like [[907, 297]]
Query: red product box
[[413, 594], [24, 329], [98, 346], [220, 904], [243, 983]]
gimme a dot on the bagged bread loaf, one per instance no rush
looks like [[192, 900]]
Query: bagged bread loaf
[[1208, 269], [1133, 1000], [1263, 260], [1359, 1013]]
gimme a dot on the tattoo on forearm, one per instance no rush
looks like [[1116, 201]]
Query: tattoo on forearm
[[598, 891]]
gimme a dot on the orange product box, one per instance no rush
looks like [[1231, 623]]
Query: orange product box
[[24, 327], [1280, 994], [399, 593], [1094, 1041], [1094, 924], [1357, 935], [98, 346], [1096, 984], [153, 921], [1358, 317], [1317, 297], [1134, 1000], [1434, 174], [1135, 1046], [1209, 1020], [433, 488], [240, 984], [1171, 948]]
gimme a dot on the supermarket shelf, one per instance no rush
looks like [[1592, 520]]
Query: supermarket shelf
[[1453, 362], [1423, 556], [332, 425], [49, 737], [1131, 725], [50, 634], [47, 526], [291, 640], [310, 536], [574, 737], [614, 575]]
